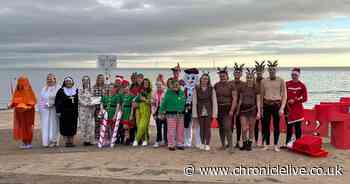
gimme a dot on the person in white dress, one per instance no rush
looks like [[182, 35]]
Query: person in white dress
[[47, 111]]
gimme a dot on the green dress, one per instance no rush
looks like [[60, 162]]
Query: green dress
[[144, 112], [110, 104], [126, 105]]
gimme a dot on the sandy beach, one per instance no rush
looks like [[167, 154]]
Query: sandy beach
[[146, 164]]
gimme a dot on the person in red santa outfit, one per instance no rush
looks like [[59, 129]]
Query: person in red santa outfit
[[296, 96]]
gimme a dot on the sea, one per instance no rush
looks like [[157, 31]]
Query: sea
[[324, 84]]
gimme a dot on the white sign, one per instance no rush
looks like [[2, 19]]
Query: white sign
[[107, 61]]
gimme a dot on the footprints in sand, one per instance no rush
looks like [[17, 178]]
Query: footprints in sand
[[145, 172], [116, 169], [153, 172], [85, 168], [124, 170]]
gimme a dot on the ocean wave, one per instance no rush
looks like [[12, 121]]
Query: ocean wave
[[329, 92]]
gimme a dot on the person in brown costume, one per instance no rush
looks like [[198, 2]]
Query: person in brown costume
[[227, 99], [204, 109], [260, 69], [248, 108], [238, 83]]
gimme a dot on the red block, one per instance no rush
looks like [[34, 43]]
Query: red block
[[344, 107], [340, 135], [345, 100], [323, 119], [309, 126]]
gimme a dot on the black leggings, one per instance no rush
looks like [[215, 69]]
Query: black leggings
[[120, 134], [256, 130], [238, 127], [297, 128], [162, 134], [271, 110]]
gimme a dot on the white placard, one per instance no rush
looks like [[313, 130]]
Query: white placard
[[106, 61]]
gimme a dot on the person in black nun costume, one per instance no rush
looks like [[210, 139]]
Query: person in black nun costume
[[66, 103]]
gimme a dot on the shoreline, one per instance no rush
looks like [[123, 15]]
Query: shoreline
[[311, 68]]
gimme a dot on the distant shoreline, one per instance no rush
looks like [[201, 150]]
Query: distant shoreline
[[162, 68]]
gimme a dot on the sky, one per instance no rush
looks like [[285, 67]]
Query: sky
[[160, 33]]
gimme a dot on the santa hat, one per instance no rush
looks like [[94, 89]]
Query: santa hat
[[119, 78], [192, 71], [296, 70], [125, 83]]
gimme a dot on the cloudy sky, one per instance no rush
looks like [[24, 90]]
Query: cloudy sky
[[159, 33]]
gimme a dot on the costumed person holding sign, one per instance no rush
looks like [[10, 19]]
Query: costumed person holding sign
[[47, 111], [260, 69], [191, 79], [172, 108], [238, 83], [110, 105], [274, 96], [296, 96], [144, 100], [248, 108], [66, 103], [226, 95], [23, 102], [87, 103], [204, 109]]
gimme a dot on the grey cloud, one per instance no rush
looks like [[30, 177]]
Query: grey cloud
[[89, 26]]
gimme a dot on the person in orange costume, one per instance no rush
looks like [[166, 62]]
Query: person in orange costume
[[23, 102]]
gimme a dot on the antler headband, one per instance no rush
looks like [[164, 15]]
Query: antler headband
[[222, 70], [260, 67], [250, 72], [238, 68], [272, 64]]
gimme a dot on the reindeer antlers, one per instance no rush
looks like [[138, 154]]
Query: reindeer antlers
[[272, 64], [222, 70], [250, 71], [260, 66], [238, 67]]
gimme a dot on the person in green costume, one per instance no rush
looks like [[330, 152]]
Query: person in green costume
[[126, 105], [109, 103], [144, 100]]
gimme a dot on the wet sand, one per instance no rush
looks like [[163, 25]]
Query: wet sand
[[145, 164]]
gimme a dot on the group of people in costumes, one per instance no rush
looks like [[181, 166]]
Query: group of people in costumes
[[120, 112]]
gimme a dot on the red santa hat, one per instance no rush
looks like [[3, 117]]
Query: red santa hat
[[125, 83], [119, 78], [296, 71]]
